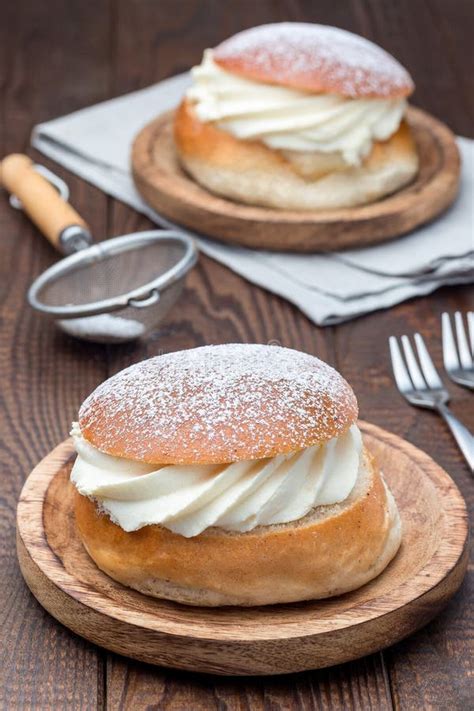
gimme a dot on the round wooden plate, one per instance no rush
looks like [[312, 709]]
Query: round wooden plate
[[172, 193], [425, 573]]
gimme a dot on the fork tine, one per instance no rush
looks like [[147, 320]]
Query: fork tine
[[400, 372], [450, 354], [427, 366], [463, 347], [413, 369], [470, 323]]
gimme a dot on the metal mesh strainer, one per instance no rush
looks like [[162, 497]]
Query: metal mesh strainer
[[116, 290], [113, 291]]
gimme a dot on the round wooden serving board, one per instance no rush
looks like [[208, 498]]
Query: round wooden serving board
[[426, 572], [172, 193]]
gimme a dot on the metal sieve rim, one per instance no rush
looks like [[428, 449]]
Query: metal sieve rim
[[103, 250]]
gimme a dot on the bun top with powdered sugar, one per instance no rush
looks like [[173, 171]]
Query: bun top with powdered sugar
[[218, 404], [314, 58]]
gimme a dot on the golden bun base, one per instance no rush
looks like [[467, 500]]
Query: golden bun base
[[332, 550], [252, 173]]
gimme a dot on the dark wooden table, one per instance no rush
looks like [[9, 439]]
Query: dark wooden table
[[60, 56]]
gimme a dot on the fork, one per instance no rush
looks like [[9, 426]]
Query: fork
[[422, 387], [460, 369]]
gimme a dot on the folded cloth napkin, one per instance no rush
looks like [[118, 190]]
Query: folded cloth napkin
[[95, 144]]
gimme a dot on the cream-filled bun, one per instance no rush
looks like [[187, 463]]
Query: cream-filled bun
[[231, 475], [297, 116]]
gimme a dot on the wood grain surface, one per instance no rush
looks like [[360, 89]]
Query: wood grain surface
[[426, 572], [57, 57], [165, 186]]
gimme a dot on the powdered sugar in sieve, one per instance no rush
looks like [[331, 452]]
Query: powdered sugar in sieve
[[105, 326]]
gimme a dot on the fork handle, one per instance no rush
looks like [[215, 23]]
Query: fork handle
[[461, 434]]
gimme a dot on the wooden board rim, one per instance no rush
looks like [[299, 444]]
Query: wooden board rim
[[179, 198], [165, 629]]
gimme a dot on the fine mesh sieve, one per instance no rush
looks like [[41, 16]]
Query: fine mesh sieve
[[110, 292]]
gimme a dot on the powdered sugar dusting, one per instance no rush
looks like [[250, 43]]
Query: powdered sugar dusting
[[314, 57], [218, 404]]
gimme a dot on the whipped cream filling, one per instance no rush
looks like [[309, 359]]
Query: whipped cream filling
[[236, 497], [288, 119]]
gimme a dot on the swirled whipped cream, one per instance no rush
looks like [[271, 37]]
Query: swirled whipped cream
[[288, 119], [236, 497]]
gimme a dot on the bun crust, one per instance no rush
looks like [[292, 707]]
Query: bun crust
[[315, 58], [332, 550], [252, 173], [218, 404]]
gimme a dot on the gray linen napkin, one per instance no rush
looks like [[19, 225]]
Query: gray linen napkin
[[95, 144]]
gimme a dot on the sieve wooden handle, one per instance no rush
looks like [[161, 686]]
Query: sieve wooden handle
[[40, 200]]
